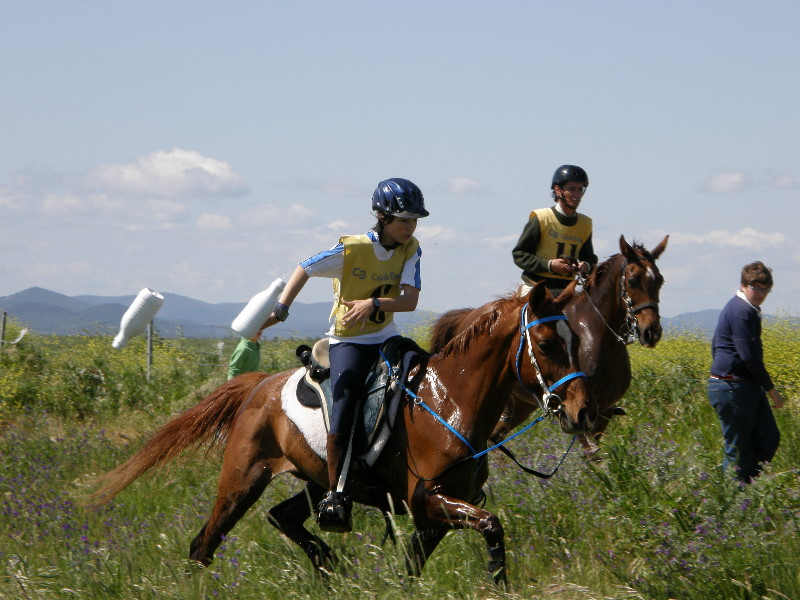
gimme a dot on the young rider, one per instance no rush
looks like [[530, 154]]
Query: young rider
[[374, 276], [555, 238]]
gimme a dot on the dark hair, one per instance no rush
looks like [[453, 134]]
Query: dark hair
[[757, 272], [382, 221]]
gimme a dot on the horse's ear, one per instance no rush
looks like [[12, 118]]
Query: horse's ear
[[539, 294], [564, 297], [658, 250], [626, 249]]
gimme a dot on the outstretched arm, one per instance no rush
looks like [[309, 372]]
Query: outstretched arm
[[290, 292]]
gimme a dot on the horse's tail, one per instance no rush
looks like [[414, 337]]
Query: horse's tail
[[208, 421]]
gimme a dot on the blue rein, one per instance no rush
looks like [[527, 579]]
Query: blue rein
[[524, 327], [433, 413]]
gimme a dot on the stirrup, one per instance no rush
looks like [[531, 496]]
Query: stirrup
[[334, 513]]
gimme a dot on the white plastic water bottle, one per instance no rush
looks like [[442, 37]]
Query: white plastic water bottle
[[258, 310], [139, 314]]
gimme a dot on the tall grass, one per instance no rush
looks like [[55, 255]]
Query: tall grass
[[656, 519]]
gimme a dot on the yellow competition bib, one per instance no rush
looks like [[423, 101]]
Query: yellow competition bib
[[560, 240], [365, 276]]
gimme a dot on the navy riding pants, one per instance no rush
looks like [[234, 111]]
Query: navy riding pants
[[350, 366]]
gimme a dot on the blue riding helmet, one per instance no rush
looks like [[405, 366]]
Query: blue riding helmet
[[566, 173], [399, 198]]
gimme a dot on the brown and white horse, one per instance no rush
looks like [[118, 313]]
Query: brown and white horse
[[427, 469]]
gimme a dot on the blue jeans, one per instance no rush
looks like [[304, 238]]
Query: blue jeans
[[749, 430]]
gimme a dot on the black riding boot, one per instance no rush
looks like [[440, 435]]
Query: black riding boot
[[333, 512]]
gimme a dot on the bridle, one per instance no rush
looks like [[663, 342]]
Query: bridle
[[631, 333], [546, 401], [548, 394]]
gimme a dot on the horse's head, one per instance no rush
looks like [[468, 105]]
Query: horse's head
[[547, 360], [641, 284]]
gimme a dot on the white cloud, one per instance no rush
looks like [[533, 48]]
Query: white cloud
[[338, 226], [338, 187], [160, 210], [784, 182], [208, 222], [434, 234], [270, 215], [67, 269], [746, 237], [502, 242], [174, 174], [333, 187], [725, 182], [108, 204], [461, 186], [62, 204], [9, 200]]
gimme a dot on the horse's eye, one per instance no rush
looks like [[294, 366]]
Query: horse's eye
[[633, 281], [546, 346]]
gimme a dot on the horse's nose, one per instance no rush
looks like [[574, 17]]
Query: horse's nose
[[587, 417], [650, 336]]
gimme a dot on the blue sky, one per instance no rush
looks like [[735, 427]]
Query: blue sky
[[204, 148]]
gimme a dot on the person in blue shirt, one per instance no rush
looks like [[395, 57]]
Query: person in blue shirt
[[739, 382]]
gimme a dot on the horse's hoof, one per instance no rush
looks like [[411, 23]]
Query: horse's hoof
[[497, 571], [334, 513], [193, 566]]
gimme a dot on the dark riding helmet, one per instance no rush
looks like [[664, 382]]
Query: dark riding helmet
[[399, 198], [566, 173]]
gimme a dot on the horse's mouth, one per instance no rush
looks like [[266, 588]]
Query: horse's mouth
[[649, 336], [583, 425]]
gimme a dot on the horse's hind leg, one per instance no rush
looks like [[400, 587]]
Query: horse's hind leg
[[289, 516], [246, 471], [230, 506]]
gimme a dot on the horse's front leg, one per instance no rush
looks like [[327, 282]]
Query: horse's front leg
[[289, 517], [423, 543], [458, 514]]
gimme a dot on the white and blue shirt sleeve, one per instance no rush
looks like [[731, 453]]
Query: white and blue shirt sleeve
[[328, 263]]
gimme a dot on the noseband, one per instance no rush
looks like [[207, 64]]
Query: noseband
[[547, 392]]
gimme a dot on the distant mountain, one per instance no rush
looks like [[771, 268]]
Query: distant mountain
[[701, 323], [48, 312]]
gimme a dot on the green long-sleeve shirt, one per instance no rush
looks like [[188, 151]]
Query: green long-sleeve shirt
[[246, 357], [525, 256]]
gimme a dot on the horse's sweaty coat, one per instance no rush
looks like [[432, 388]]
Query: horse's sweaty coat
[[425, 471]]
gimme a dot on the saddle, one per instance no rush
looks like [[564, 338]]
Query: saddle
[[386, 384]]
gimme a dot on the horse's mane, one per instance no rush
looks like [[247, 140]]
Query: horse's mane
[[597, 275], [447, 336]]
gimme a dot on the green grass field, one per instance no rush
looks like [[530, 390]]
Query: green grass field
[[656, 519]]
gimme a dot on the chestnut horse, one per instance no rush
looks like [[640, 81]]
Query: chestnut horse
[[617, 306], [433, 471]]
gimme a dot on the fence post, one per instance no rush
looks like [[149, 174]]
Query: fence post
[[3, 329], [149, 349]]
